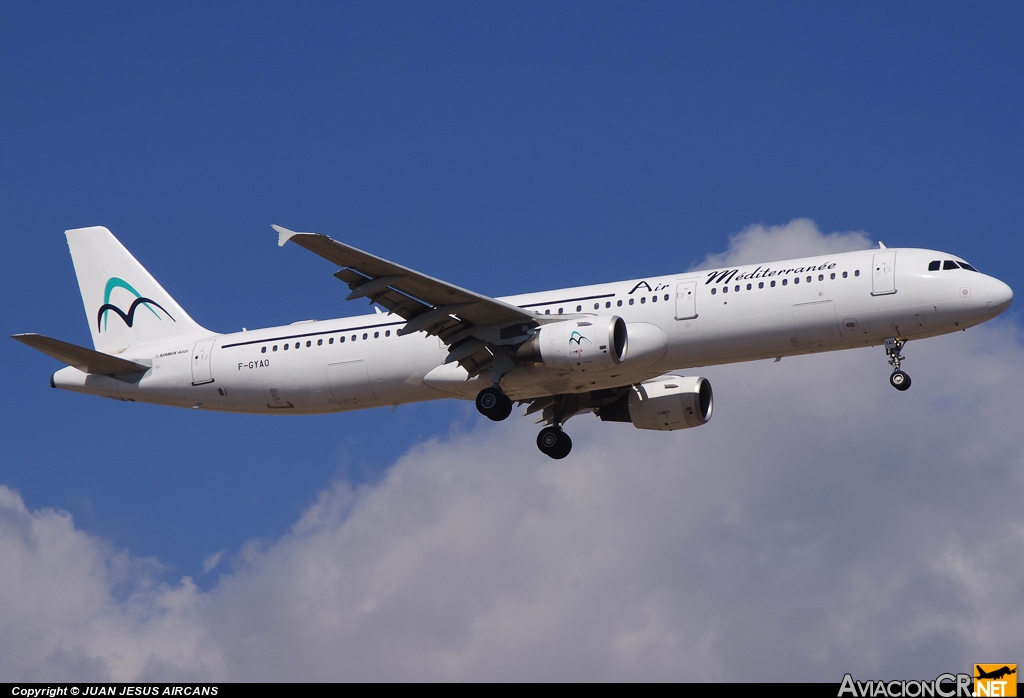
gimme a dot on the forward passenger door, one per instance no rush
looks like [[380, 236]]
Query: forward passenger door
[[883, 273]]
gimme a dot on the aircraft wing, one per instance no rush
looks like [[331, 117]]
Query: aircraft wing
[[474, 326], [85, 360]]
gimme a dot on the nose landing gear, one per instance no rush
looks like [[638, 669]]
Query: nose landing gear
[[554, 443], [494, 404], [898, 379]]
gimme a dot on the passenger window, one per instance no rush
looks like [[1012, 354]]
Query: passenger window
[[619, 303], [796, 280], [286, 346], [559, 311], [737, 289], [934, 266], [548, 311], [263, 350], [608, 304], [725, 289], [845, 274], [365, 335], [275, 348], [949, 264], [319, 342], [376, 335], [331, 340], [785, 282], [643, 299], [341, 339], [714, 291], [773, 284], [749, 286], [388, 333], [833, 276], [596, 306], [309, 343], [760, 284], [353, 338], [856, 273], [666, 296], [579, 308], [631, 301], [821, 277]]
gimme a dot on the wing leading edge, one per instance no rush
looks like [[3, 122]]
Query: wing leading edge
[[479, 331]]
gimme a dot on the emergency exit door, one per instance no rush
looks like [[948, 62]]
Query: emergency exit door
[[686, 300]]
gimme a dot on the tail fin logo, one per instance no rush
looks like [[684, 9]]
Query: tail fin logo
[[129, 317]]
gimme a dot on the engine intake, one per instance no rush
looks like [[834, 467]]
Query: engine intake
[[663, 404], [579, 345]]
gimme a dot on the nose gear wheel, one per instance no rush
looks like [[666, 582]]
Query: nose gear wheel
[[899, 380]]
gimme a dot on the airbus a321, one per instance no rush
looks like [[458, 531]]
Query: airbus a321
[[622, 350]]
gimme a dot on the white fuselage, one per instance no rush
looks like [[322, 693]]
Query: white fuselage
[[675, 322]]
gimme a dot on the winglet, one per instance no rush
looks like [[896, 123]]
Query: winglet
[[283, 235], [881, 246]]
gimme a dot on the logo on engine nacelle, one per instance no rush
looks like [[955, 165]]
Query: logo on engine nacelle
[[576, 338]]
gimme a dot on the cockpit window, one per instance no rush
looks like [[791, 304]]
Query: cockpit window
[[967, 266], [949, 264], [934, 266]]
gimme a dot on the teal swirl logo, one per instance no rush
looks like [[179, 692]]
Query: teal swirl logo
[[576, 338], [128, 317]]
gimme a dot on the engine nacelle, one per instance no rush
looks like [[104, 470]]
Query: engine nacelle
[[666, 403], [579, 345]]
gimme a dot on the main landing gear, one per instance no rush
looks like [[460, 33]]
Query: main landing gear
[[898, 379], [554, 442], [494, 404]]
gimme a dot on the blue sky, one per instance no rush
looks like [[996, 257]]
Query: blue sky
[[505, 147]]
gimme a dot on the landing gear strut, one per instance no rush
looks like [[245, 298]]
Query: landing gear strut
[[494, 404], [554, 442], [898, 379]]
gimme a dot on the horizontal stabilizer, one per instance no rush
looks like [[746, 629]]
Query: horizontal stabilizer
[[85, 360]]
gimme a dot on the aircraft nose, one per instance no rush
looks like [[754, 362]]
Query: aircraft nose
[[998, 296]]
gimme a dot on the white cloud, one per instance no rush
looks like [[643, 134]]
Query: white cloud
[[801, 237], [213, 560], [72, 607], [821, 523]]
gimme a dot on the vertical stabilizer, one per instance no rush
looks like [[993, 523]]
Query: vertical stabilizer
[[123, 302]]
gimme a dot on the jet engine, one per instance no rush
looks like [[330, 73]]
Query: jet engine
[[580, 345], [666, 403]]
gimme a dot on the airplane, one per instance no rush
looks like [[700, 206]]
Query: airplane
[[623, 350], [995, 674]]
